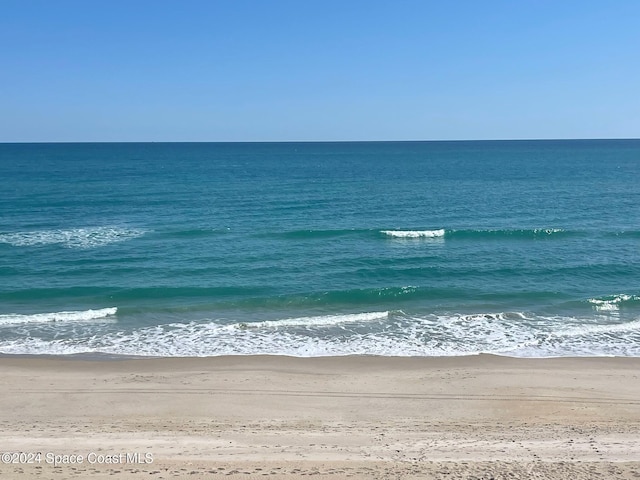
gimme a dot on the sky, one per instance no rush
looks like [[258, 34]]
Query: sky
[[309, 70]]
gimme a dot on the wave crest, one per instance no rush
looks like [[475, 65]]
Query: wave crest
[[80, 238], [522, 233], [414, 233], [612, 303], [393, 333], [77, 316], [318, 321]]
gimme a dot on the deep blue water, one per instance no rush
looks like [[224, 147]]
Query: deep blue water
[[527, 248]]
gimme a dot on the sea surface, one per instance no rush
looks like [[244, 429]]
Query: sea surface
[[519, 248]]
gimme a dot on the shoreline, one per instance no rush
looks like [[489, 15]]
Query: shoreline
[[108, 357], [290, 417]]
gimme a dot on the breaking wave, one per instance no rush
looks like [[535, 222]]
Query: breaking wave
[[612, 303], [79, 316], [318, 321], [393, 333], [414, 233], [482, 234]]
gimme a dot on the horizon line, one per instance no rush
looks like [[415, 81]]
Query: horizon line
[[315, 141]]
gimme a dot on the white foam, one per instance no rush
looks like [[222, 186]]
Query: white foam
[[547, 231], [319, 321], [81, 238], [398, 335], [611, 303], [78, 316], [507, 333], [414, 233], [606, 329]]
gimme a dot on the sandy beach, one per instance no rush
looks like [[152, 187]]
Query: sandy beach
[[477, 417]]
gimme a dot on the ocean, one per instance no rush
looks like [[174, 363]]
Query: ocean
[[518, 248]]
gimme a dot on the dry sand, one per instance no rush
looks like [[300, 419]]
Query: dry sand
[[479, 417]]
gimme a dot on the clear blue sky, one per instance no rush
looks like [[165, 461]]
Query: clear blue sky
[[272, 70]]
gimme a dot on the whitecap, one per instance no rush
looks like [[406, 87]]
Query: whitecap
[[81, 238], [414, 233], [74, 316], [612, 302], [318, 321]]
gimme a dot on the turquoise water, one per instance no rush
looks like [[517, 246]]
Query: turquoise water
[[524, 248]]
